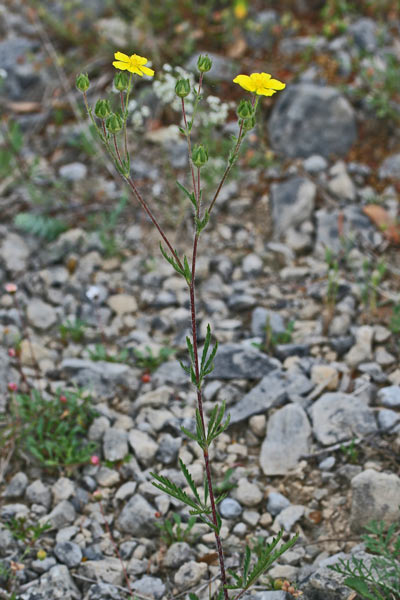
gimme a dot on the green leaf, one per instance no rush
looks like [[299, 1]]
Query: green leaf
[[172, 261], [190, 349], [190, 195], [189, 479], [189, 434], [186, 270], [168, 487], [44, 227], [246, 563], [202, 223], [360, 587], [206, 346], [269, 556]]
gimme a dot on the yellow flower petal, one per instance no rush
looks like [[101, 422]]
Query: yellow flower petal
[[133, 69], [121, 56], [147, 71], [120, 65], [265, 77], [265, 92], [138, 60], [245, 82], [275, 84]]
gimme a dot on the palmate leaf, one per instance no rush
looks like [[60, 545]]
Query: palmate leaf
[[215, 425]]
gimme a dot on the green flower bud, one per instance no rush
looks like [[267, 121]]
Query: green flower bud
[[82, 82], [114, 123], [204, 63], [182, 88], [121, 81], [199, 156], [249, 123], [102, 109], [245, 109]]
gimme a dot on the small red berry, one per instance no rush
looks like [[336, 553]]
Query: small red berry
[[157, 514], [12, 387], [63, 399], [146, 378], [11, 352], [94, 460]]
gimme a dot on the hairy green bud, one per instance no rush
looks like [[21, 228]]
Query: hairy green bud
[[121, 81], [245, 109], [102, 109], [114, 123], [249, 123], [182, 88], [204, 63], [82, 82], [199, 156]]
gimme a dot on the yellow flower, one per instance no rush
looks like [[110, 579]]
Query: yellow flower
[[240, 9], [260, 83], [133, 64]]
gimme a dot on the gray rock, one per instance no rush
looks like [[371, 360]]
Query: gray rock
[[355, 225], [153, 587], [168, 449], [42, 566], [236, 361], [276, 502], [362, 349], [6, 376], [375, 496], [261, 318], [39, 493], [14, 252], [178, 553], [389, 420], [62, 514], [327, 463], [230, 508], [390, 167], [261, 35], [137, 517], [292, 203], [56, 584], [190, 574], [337, 417], [74, 171], [101, 377], [40, 314], [289, 516], [364, 32], [325, 584], [144, 447], [270, 392], [389, 396], [17, 486], [288, 438], [115, 444], [315, 164], [169, 373], [103, 591], [308, 119], [340, 184], [252, 265], [68, 553], [108, 570], [269, 595]]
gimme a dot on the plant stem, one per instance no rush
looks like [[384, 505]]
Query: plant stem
[[116, 550], [152, 218], [192, 294], [228, 168], [189, 149]]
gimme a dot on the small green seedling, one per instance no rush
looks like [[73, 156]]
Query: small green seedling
[[149, 361], [175, 531], [73, 330], [100, 353]]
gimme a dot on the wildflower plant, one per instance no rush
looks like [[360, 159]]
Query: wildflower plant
[[111, 124]]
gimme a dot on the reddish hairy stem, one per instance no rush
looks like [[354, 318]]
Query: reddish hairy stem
[[153, 219], [189, 149], [110, 535], [227, 170]]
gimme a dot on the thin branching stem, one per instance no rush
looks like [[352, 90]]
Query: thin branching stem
[[192, 294], [143, 203]]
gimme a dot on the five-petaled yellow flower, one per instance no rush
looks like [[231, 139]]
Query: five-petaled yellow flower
[[260, 83], [133, 64]]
